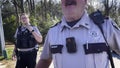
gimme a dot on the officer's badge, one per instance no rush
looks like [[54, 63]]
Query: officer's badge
[[94, 36]]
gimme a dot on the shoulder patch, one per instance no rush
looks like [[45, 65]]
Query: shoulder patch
[[55, 24]]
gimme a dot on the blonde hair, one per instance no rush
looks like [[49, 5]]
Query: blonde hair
[[20, 19], [24, 14]]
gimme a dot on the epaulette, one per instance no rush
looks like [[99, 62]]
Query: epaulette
[[55, 24], [115, 25]]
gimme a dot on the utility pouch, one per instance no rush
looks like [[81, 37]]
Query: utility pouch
[[92, 48], [71, 45], [56, 49]]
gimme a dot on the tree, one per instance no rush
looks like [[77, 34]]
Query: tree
[[108, 7], [9, 21], [2, 41], [42, 17], [111, 9], [19, 7]]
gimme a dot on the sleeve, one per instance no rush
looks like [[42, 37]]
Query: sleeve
[[113, 36], [46, 54], [15, 35], [36, 30]]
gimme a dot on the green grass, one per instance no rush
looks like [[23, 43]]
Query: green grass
[[9, 50], [8, 53], [1, 58]]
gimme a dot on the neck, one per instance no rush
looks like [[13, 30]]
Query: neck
[[74, 21]]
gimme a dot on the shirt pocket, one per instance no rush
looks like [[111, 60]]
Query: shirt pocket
[[56, 49]]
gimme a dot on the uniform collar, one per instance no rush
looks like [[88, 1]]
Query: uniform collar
[[84, 21]]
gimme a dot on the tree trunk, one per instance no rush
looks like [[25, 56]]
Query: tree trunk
[[45, 10], [16, 10], [22, 6], [106, 7]]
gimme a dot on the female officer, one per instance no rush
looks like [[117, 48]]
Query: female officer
[[27, 39]]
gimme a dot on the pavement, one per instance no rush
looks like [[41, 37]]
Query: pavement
[[2, 66]]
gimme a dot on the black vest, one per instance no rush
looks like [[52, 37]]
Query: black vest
[[25, 39]]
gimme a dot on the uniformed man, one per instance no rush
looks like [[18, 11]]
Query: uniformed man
[[27, 39], [72, 42]]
